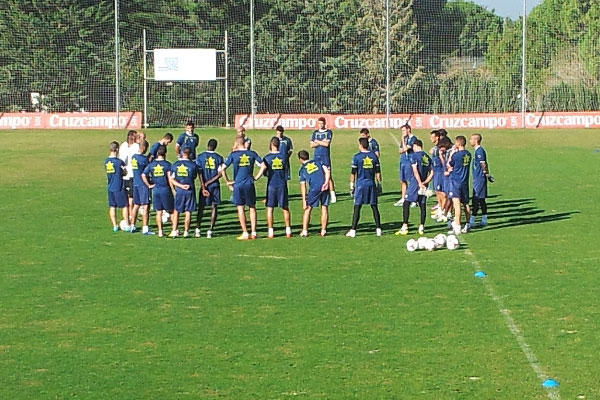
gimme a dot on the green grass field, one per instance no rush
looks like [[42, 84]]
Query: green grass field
[[92, 314]]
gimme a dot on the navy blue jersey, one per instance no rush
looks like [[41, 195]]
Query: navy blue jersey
[[409, 140], [478, 157], [243, 166], [188, 141], [139, 162], [276, 167], [366, 165], [208, 165], [423, 163], [436, 161], [154, 149], [158, 171], [460, 163], [321, 151], [311, 172], [286, 146], [373, 145], [185, 172], [114, 168]]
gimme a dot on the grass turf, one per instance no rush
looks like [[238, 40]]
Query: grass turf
[[88, 313]]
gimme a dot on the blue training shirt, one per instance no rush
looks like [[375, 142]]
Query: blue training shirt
[[139, 162], [366, 165], [276, 169], [243, 166], [158, 171], [423, 163], [321, 151], [460, 163], [478, 157], [311, 172], [208, 166], [114, 168], [185, 172], [188, 141], [409, 140]]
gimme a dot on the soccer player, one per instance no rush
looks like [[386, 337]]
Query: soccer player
[[365, 173], [373, 145], [244, 192], [140, 137], [241, 132], [405, 150], [438, 174], [481, 175], [273, 167], [162, 196], [445, 149], [208, 164], [286, 148], [139, 162], [320, 141], [165, 141], [126, 151], [458, 172], [182, 176], [187, 139], [314, 187], [117, 196], [422, 173]]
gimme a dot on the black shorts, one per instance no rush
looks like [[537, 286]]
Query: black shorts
[[129, 187]]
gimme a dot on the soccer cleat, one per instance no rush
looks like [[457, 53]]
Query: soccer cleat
[[351, 233], [378, 232], [115, 229], [197, 233], [466, 228], [421, 230], [253, 236], [288, 232], [399, 203], [208, 234], [243, 236], [148, 233], [270, 233], [402, 231], [323, 232], [304, 234], [173, 234], [160, 234], [132, 228], [186, 234], [472, 220], [484, 220]]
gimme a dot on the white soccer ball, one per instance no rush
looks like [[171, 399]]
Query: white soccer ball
[[411, 245], [440, 240], [123, 225], [430, 245], [165, 217], [452, 242], [421, 242]]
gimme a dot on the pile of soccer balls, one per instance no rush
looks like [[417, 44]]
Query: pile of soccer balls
[[450, 242]]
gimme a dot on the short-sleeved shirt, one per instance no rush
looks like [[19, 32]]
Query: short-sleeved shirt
[[286, 146], [479, 156], [208, 164], [126, 152], [185, 172], [373, 145], [114, 168], [423, 163], [139, 162], [243, 166], [460, 163], [366, 165], [409, 140], [154, 149], [276, 169], [312, 174], [188, 141], [158, 171], [321, 151]]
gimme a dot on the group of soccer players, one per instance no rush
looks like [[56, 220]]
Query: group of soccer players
[[136, 180]]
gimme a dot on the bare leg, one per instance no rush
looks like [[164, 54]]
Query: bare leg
[[269, 217], [324, 217], [112, 214], [159, 224], [286, 216], [242, 218], [306, 218], [252, 212], [174, 220], [213, 216], [187, 220]]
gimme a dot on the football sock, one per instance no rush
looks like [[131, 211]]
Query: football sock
[[423, 208], [356, 216], [405, 212], [376, 215]]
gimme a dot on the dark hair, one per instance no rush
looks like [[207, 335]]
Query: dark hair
[[190, 123], [460, 140], [419, 143], [303, 155], [364, 142], [407, 126], [131, 133], [169, 136], [322, 119], [144, 146], [212, 144], [275, 142], [187, 151], [479, 138], [114, 146], [444, 143], [436, 133], [443, 132], [162, 150], [364, 130], [279, 128]]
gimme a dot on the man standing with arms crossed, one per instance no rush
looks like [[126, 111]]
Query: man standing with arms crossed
[[320, 141], [187, 139], [405, 150]]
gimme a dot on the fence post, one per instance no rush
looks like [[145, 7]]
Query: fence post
[[117, 62], [524, 67]]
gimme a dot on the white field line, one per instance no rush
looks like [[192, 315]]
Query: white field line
[[552, 393], [396, 139]]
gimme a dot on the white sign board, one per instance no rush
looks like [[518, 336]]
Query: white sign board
[[185, 64]]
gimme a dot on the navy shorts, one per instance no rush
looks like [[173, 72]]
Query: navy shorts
[[117, 199], [460, 191], [214, 197], [446, 185], [244, 195], [438, 181], [365, 195], [480, 188], [185, 201], [325, 160], [406, 172], [317, 198], [277, 196], [162, 200], [140, 195]]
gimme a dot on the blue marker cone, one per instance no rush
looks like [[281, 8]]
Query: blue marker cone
[[480, 274], [550, 383]]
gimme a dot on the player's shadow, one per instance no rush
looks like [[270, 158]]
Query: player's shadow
[[541, 219]]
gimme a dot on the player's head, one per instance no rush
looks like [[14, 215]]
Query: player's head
[[186, 152], [406, 129], [211, 145], [168, 138], [363, 143], [161, 151], [275, 143], [131, 135], [143, 146], [418, 145], [279, 130], [114, 147], [444, 143], [239, 142], [140, 137], [321, 123], [189, 126], [364, 133], [475, 139], [303, 155], [460, 141], [443, 132], [434, 136], [241, 131]]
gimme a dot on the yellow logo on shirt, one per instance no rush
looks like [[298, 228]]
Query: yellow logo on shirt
[[367, 163], [311, 167], [244, 160], [182, 171], [158, 170], [210, 163], [277, 163], [425, 160], [134, 164], [110, 167], [466, 160]]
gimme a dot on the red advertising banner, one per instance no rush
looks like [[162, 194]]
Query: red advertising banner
[[589, 119], [91, 120]]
